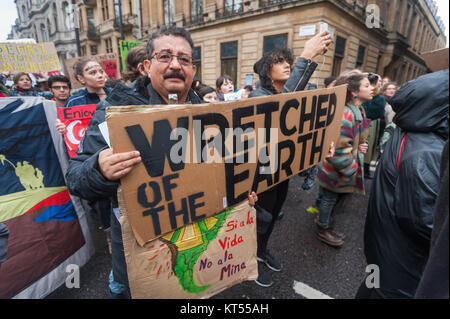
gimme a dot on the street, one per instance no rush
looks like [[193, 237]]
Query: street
[[311, 269]]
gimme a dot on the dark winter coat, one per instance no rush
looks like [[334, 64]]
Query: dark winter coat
[[399, 219], [84, 178]]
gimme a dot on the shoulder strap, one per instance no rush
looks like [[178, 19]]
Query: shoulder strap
[[400, 152]]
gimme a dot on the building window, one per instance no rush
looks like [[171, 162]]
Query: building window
[[83, 50], [338, 56], [232, 6], [130, 6], [108, 45], [411, 23], [197, 61], [228, 58], [196, 11], [360, 58], [168, 11], [90, 18], [274, 41], [105, 10], [94, 50], [405, 20]]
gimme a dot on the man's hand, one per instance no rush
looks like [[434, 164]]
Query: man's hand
[[362, 148], [116, 166], [252, 199], [317, 45], [60, 127]]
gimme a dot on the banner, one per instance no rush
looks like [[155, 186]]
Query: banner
[[125, 47], [107, 61], [195, 261], [198, 160], [48, 229], [76, 119], [28, 57]]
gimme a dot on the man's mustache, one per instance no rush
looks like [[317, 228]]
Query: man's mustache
[[174, 74]]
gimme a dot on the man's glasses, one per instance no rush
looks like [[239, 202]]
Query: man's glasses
[[166, 57], [62, 87]]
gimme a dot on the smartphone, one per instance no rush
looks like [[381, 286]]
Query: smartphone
[[323, 26]]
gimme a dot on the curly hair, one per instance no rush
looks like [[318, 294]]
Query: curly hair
[[264, 65]]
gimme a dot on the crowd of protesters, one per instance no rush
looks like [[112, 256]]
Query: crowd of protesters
[[401, 131]]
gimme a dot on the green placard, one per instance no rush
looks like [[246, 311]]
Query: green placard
[[125, 47]]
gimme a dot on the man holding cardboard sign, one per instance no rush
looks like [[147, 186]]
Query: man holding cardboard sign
[[96, 171]]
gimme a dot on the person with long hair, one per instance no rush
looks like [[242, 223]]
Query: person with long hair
[[23, 86], [277, 76], [343, 173]]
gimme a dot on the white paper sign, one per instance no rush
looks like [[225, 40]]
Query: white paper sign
[[307, 30]]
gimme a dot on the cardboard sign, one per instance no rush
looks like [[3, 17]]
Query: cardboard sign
[[76, 119], [196, 261], [29, 58], [436, 60], [198, 160], [125, 47], [107, 61]]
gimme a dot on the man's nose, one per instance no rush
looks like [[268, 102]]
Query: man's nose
[[174, 63]]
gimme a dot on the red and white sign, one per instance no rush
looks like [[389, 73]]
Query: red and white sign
[[76, 119]]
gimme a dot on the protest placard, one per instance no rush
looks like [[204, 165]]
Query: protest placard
[[48, 227], [198, 160], [125, 47], [196, 261], [28, 57], [76, 119], [107, 61]]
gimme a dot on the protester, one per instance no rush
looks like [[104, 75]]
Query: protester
[[435, 279], [4, 92], [276, 76], [207, 93], [91, 75], [59, 87], [388, 91], [374, 110], [96, 171], [329, 82], [135, 63], [224, 85], [342, 174], [399, 218], [23, 87]]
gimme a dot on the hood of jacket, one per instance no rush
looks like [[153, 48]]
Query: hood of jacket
[[421, 105]]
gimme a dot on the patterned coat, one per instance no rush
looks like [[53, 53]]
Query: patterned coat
[[344, 172]]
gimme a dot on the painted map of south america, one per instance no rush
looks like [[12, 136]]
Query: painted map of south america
[[188, 243]]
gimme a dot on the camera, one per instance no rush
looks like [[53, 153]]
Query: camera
[[373, 78]]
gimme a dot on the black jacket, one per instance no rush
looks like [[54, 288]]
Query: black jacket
[[400, 213], [83, 176]]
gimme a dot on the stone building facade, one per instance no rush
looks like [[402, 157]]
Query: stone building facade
[[382, 36], [48, 21], [386, 37]]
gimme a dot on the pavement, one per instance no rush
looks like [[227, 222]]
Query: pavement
[[311, 269]]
